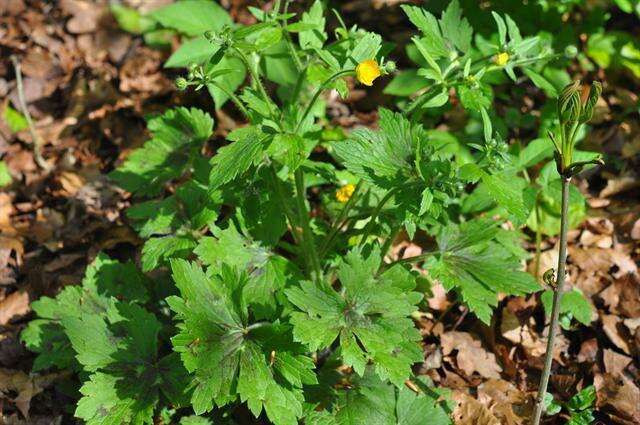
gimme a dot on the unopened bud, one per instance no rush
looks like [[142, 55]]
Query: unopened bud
[[181, 83], [570, 51], [389, 67]]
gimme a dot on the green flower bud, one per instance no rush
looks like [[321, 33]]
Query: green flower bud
[[570, 51], [389, 67], [181, 83], [570, 104]]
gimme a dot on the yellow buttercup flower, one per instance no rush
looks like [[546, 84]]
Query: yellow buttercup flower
[[344, 193], [367, 71], [502, 59]]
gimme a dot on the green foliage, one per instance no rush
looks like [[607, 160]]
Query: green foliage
[[369, 316], [267, 292], [14, 119], [178, 136], [579, 407], [5, 175], [572, 305], [472, 261]]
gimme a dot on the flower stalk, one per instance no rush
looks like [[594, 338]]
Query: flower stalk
[[575, 108]]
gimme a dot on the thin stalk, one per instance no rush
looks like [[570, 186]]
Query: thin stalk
[[287, 37], [256, 80], [37, 141], [557, 296], [231, 96], [295, 230], [374, 215], [335, 227], [387, 244], [307, 236], [318, 93]]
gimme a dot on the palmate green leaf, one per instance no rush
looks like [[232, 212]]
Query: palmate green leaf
[[230, 358], [314, 36], [121, 352], [370, 316], [247, 149], [105, 280], [368, 400], [471, 261], [193, 17], [268, 273], [428, 25], [177, 135], [229, 81], [386, 157], [456, 28], [507, 195]]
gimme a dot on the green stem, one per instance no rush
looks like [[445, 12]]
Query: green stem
[[307, 235], [374, 215], [231, 96], [297, 236], [335, 227], [256, 80], [557, 296], [389, 241], [317, 95]]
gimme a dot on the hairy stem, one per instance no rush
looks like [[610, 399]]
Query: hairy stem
[[37, 141], [557, 296], [335, 227], [374, 215], [307, 236], [318, 93], [256, 80]]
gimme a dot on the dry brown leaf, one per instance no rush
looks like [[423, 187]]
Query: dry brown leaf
[[612, 328], [15, 304], [26, 387], [469, 411], [618, 396], [471, 357], [510, 405], [620, 184], [615, 363], [524, 335]]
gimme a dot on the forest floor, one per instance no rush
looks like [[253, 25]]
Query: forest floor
[[88, 86]]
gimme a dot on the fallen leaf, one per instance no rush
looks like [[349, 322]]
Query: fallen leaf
[[508, 404], [469, 411], [15, 304], [618, 396], [471, 356], [613, 330], [615, 363], [26, 387]]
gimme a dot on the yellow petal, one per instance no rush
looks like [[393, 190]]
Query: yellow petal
[[367, 71], [502, 59], [344, 193]]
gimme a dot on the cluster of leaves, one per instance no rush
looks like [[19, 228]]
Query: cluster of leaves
[[293, 315], [579, 407]]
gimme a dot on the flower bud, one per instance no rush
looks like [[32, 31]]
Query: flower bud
[[570, 51], [181, 83], [570, 104], [389, 67]]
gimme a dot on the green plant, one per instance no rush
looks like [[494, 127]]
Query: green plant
[[274, 294], [579, 407]]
